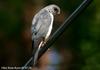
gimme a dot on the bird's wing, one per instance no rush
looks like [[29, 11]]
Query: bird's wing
[[41, 25]]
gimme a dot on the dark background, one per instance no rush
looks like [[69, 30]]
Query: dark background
[[77, 49]]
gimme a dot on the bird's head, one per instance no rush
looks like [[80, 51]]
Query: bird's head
[[54, 9]]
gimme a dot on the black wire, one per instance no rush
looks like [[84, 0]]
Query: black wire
[[60, 30]]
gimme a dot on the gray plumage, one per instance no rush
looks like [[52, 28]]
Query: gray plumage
[[42, 26]]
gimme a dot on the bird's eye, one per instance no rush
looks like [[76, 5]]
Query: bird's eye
[[55, 9]]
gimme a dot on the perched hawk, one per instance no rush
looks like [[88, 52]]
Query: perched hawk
[[42, 26]]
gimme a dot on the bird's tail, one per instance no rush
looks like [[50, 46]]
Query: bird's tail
[[37, 52]]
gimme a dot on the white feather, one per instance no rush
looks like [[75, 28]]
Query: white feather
[[50, 27]]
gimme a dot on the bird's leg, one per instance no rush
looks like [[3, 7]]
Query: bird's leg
[[44, 41]]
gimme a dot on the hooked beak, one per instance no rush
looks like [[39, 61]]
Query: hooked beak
[[58, 12]]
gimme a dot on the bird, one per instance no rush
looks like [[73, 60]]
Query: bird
[[42, 25]]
